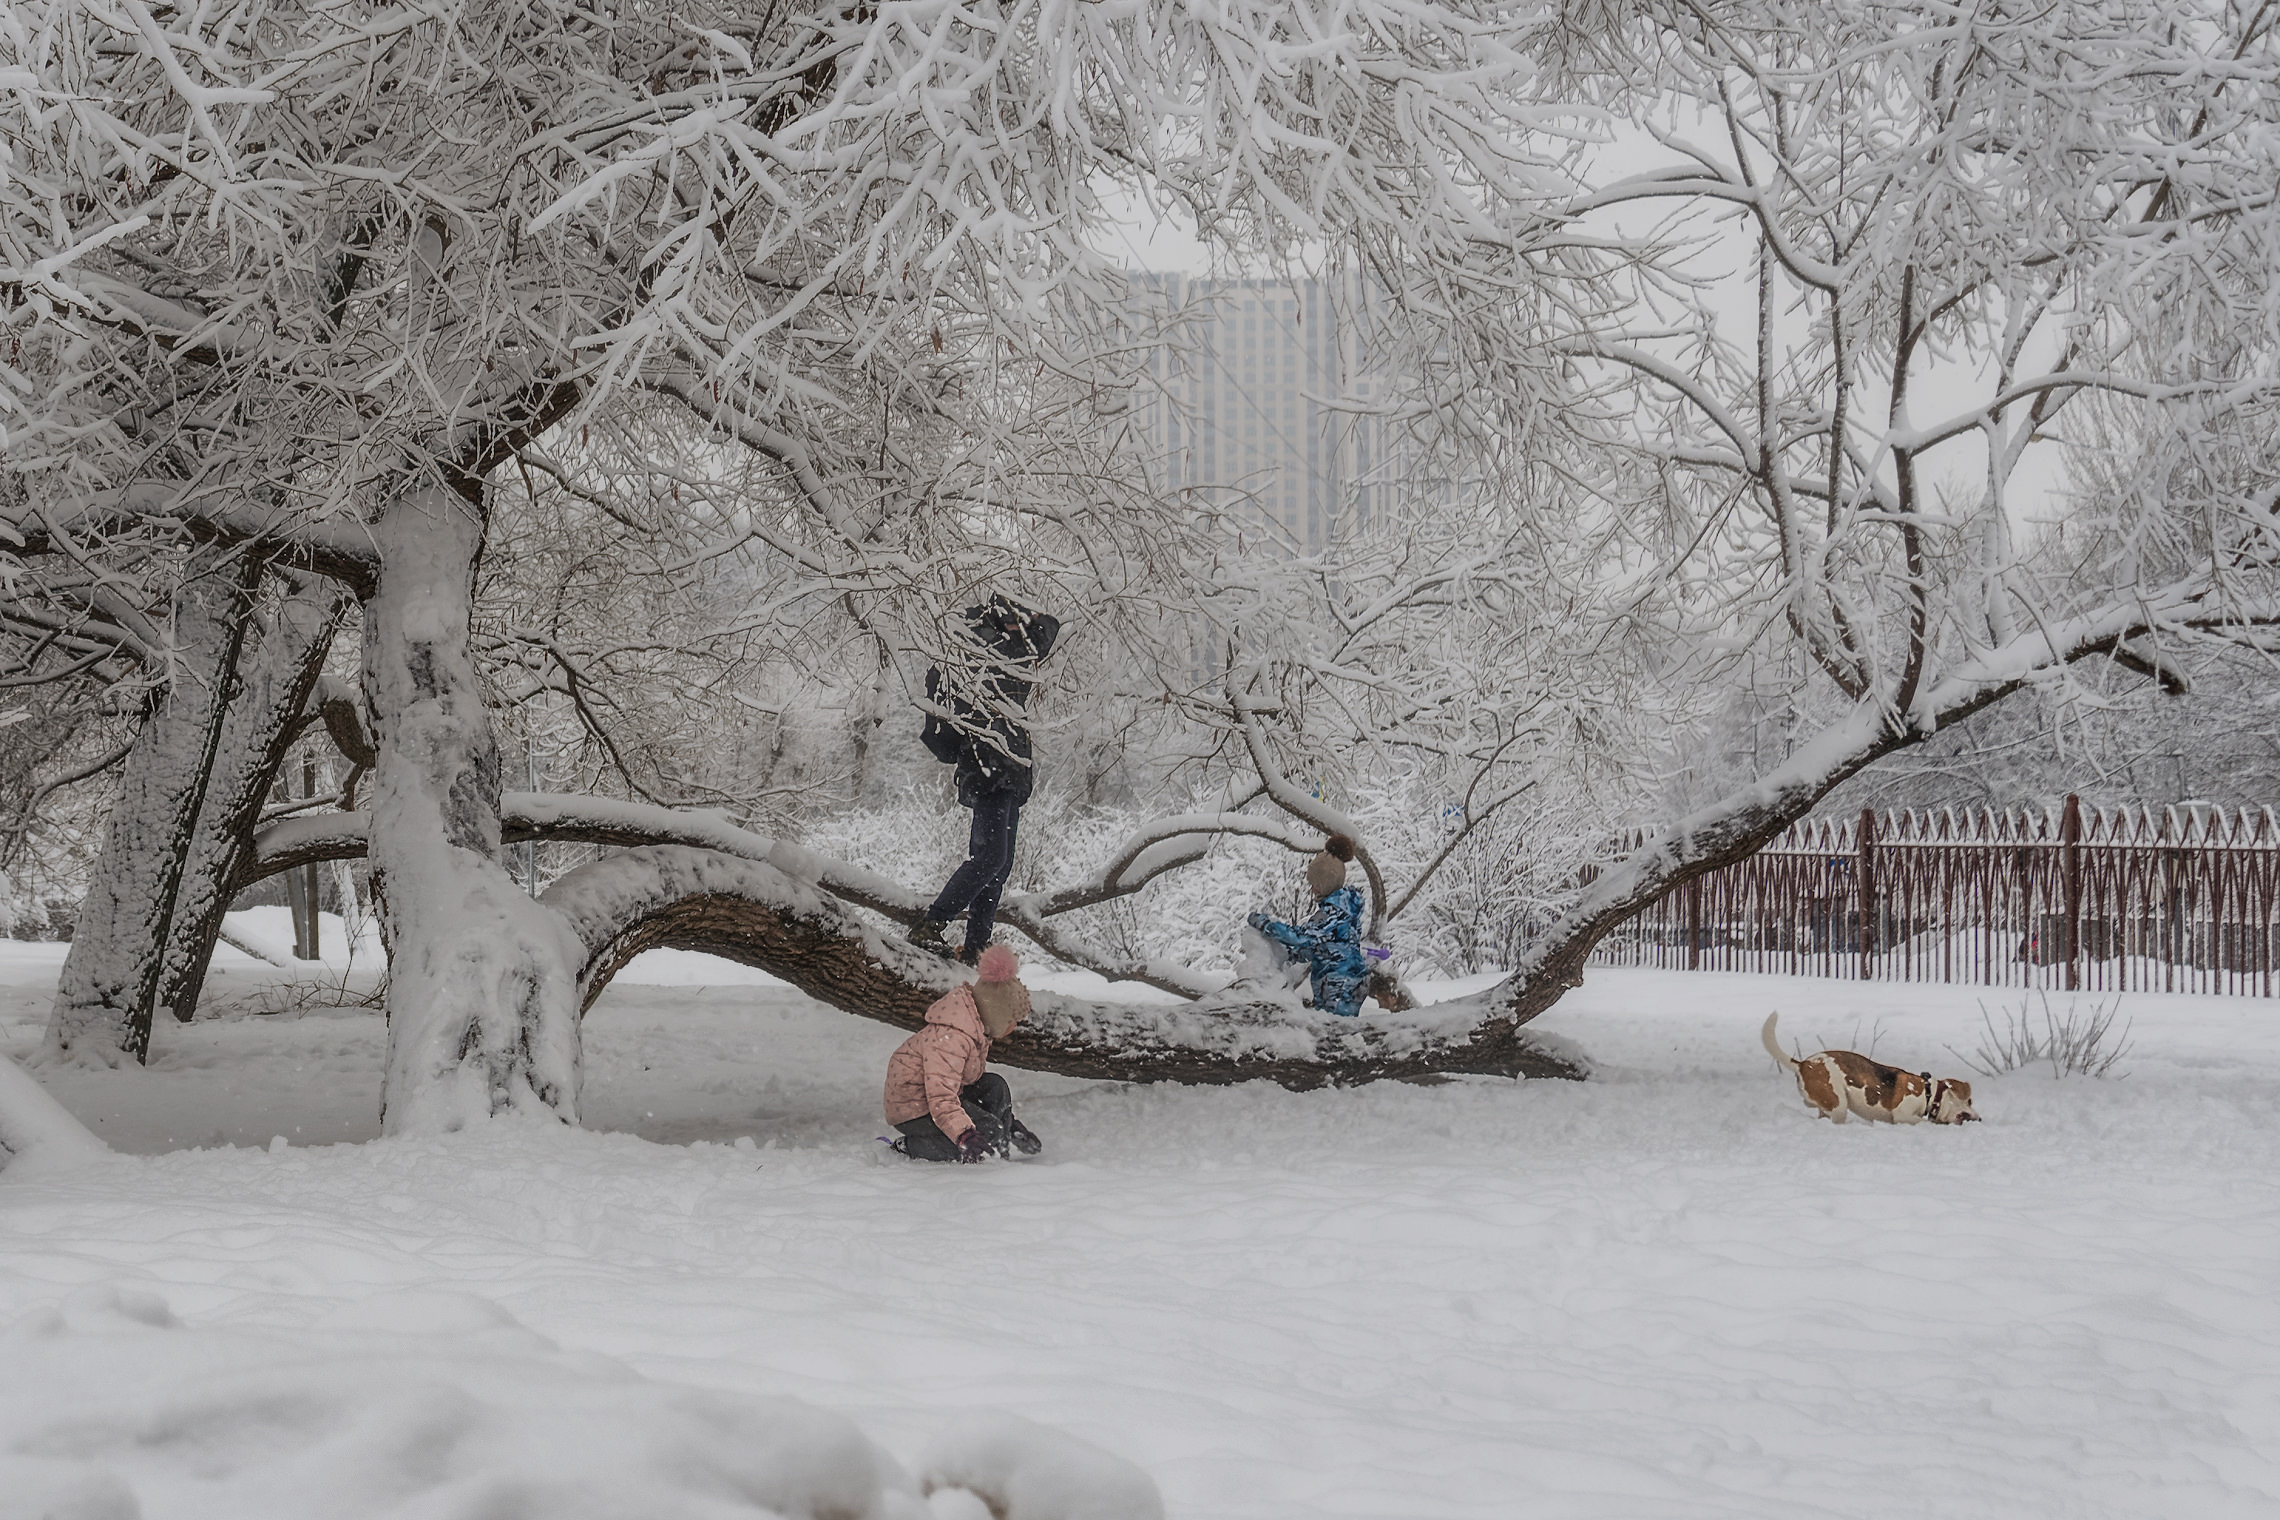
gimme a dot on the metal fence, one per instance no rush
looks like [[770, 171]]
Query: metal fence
[[2179, 899]]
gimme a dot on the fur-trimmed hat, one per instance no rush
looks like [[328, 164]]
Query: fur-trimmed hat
[[1326, 872], [999, 996]]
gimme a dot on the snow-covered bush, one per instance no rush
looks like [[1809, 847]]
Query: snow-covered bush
[[2080, 1041]]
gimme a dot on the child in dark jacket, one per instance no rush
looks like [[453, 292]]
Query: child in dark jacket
[[994, 760], [1330, 941]]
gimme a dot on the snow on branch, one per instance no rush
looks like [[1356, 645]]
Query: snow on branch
[[560, 818], [671, 897], [1740, 823], [1161, 845], [341, 551], [565, 819], [1298, 802]]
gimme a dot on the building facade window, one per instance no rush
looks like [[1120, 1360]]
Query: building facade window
[[1275, 369]]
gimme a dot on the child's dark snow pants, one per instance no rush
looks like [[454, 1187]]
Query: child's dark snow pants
[[989, 1103]]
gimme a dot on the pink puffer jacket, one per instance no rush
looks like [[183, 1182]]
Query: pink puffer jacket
[[928, 1070]]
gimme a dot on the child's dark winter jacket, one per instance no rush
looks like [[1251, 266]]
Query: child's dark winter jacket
[[1330, 941], [1010, 640]]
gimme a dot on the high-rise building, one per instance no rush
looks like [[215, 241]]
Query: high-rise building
[[1264, 410]]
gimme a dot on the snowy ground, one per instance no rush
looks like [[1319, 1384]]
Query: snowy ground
[[1668, 1292]]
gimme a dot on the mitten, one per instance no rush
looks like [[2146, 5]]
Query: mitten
[[1023, 1137], [971, 1145]]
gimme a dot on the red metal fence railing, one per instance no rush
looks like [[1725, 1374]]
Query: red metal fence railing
[[2183, 899]]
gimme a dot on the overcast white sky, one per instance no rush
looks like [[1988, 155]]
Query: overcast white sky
[[1164, 241]]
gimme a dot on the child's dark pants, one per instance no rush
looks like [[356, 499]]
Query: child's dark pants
[[989, 1103]]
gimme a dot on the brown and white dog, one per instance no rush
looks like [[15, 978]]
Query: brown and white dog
[[1838, 1083]]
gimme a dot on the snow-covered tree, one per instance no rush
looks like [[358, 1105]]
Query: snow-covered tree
[[1960, 230], [319, 288], [299, 281]]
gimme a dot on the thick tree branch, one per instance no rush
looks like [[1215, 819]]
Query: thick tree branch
[[746, 911], [1740, 824], [1299, 803]]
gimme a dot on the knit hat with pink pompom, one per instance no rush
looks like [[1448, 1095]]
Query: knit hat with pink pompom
[[999, 996]]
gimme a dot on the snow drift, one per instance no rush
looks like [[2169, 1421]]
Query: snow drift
[[34, 1128], [439, 1405]]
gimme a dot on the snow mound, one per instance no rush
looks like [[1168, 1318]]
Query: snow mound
[[691, 968], [37, 1130], [432, 1405], [266, 934], [1017, 1469], [35, 1489], [1262, 963]]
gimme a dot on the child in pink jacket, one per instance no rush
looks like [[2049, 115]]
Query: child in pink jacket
[[946, 1105]]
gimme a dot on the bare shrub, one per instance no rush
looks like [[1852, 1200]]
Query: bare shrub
[[269, 996], [2082, 1041]]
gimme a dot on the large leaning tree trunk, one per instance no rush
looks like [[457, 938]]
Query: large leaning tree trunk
[[482, 981], [753, 912], [689, 881], [112, 976], [275, 676]]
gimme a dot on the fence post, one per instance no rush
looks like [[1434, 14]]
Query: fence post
[[1866, 875], [2070, 885], [1694, 924], [2264, 879], [2172, 902]]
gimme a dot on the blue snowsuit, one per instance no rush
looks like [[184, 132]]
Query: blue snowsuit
[[1331, 942]]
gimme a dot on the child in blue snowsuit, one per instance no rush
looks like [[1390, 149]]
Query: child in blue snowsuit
[[1330, 941]]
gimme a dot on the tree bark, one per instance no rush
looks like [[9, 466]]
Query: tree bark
[[482, 991], [274, 681], [112, 978]]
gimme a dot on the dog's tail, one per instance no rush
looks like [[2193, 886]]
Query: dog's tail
[[1772, 1046]]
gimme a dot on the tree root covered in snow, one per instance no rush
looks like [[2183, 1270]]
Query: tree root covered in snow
[[673, 897]]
